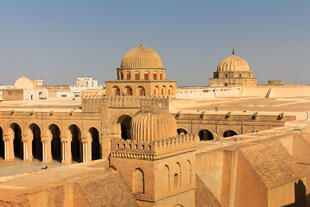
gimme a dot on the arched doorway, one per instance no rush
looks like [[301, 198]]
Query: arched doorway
[[95, 144], [1, 144], [125, 124], [181, 131], [76, 143], [56, 142], [229, 133], [163, 90], [18, 144], [36, 142], [205, 135]]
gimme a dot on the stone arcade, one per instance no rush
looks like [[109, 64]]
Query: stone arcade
[[155, 150]]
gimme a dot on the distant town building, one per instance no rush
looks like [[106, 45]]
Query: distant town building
[[86, 82], [25, 89], [276, 82]]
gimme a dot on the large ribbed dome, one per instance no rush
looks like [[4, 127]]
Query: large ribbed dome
[[233, 63], [152, 123], [141, 57], [23, 83]]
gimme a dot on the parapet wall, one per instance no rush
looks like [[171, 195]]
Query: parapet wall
[[153, 150], [95, 103]]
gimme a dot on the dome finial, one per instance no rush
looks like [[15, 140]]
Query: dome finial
[[141, 43], [233, 52]]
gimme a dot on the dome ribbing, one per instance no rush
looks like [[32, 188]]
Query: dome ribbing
[[151, 124]]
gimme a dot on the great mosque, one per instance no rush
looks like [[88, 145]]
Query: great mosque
[[143, 141]]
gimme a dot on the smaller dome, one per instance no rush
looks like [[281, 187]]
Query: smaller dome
[[141, 57], [153, 123], [23, 83], [233, 63]]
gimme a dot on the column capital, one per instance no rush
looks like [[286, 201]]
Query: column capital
[[46, 139], [7, 137], [26, 138], [65, 139], [85, 140]]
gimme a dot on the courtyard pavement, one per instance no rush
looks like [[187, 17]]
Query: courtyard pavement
[[16, 167]]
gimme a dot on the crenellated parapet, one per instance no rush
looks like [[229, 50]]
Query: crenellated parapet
[[95, 103], [153, 150]]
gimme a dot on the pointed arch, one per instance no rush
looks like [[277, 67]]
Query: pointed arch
[[36, 141], [138, 181], [76, 146], [125, 125], [181, 131], [95, 144], [115, 91], [54, 130], [18, 144], [128, 91], [141, 91], [205, 135], [229, 133], [1, 144], [166, 178]]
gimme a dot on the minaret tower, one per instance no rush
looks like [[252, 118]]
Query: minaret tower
[[156, 164]]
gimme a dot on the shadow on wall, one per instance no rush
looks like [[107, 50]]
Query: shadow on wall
[[300, 195]]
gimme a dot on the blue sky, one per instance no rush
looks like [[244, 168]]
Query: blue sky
[[59, 40]]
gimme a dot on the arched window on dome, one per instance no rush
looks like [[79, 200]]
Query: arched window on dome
[[170, 90], [163, 90], [146, 76], [156, 90], [115, 91], [128, 75], [137, 76], [141, 91], [155, 76], [128, 91], [122, 76]]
